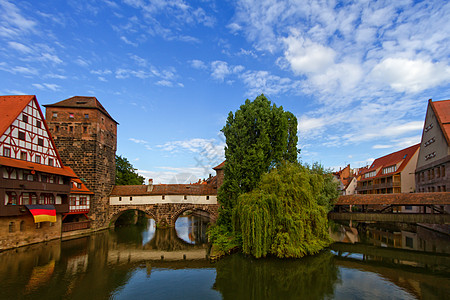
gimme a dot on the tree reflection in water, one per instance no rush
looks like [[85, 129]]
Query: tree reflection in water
[[241, 277]]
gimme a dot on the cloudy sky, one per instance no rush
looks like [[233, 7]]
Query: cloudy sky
[[357, 74]]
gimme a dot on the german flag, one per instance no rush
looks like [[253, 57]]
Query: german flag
[[42, 213]]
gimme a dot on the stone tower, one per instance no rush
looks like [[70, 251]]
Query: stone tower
[[86, 138]]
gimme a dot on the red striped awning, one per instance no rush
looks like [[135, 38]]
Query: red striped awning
[[42, 213]]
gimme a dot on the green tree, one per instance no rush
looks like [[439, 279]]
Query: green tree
[[286, 214], [258, 137], [126, 173]]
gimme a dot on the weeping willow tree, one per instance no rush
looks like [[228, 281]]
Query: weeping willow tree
[[285, 215]]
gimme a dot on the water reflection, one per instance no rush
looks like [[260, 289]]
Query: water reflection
[[141, 262], [192, 229]]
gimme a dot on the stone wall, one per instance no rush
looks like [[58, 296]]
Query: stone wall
[[86, 140], [165, 215], [21, 230]]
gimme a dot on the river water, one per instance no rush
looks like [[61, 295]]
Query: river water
[[139, 262]]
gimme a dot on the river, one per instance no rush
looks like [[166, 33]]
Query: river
[[139, 262]]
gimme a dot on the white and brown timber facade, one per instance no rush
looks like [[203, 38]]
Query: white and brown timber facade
[[31, 173]]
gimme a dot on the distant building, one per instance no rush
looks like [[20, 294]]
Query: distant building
[[34, 183], [86, 137], [392, 173], [346, 180], [433, 164], [220, 173]]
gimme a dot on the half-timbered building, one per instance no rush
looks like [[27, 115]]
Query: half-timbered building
[[34, 184]]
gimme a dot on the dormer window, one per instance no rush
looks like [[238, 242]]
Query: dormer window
[[71, 115], [389, 169], [370, 174]]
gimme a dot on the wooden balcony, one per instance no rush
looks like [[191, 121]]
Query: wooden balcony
[[76, 226], [31, 186]]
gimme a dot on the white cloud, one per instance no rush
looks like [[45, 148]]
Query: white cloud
[[164, 83], [44, 86], [405, 75], [220, 70], [308, 125], [25, 70], [198, 64], [20, 47], [13, 23], [126, 41], [82, 62]]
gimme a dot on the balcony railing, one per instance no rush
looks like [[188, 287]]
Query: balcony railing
[[76, 226]]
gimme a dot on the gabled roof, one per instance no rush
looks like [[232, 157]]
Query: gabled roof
[[10, 108], [165, 189], [81, 102], [403, 157], [23, 164], [442, 111], [74, 187], [220, 167]]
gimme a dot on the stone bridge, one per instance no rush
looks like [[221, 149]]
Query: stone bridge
[[164, 214]]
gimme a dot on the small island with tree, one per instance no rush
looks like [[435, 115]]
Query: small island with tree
[[271, 204]]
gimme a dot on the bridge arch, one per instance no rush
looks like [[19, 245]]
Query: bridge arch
[[192, 208], [116, 214]]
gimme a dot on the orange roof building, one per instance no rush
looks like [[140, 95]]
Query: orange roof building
[[34, 184], [433, 164], [392, 173]]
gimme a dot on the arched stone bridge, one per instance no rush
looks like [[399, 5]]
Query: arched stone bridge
[[164, 214]]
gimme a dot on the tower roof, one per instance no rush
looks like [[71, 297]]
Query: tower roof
[[82, 102]]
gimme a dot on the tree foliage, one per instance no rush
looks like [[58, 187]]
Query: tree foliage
[[126, 173], [286, 214], [258, 137]]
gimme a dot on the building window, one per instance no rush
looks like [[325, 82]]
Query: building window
[[163, 197], [103, 120], [40, 142], [185, 197], [22, 135], [120, 198], [84, 129], [430, 141], [409, 242], [443, 189], [86, 116], [23, 155], [71, 115], [6, 152], [55, 115], [370, 174], [71, 128], [25, 118], [78, 185], [37, 159], [428, 128], [38, 124], [389, 169], [408, 207], [11, 226], [443, 171], [131, 198], [207, 197], [83, 201], [438, 172], [22, 225], [38, 225], [73, 200], [56, 128], [50, 162], [430, 156]]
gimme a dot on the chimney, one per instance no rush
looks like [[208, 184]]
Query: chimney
[[150, 185]]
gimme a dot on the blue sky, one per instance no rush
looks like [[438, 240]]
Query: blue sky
[[357, 74]]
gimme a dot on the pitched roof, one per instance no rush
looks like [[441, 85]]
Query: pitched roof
[[23, 164], [441, 198], [403, 157], [83, 102], [442, 111], [10, 108], [220, 167], [74, 187], [165, 189]]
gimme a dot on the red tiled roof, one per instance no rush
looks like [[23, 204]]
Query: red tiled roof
[[74, 187], [402, 156], [81, 101], [396, 199], [220, 167], [10, 108], [165, 189], [23, 164], [442, 111]]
